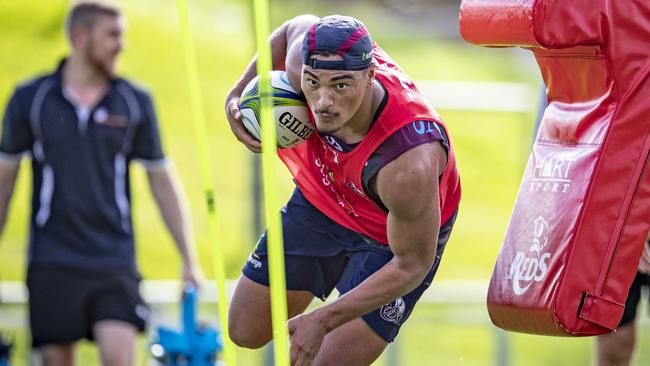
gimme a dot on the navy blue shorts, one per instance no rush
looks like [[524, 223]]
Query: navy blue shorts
[[320, 254], [65, 303]]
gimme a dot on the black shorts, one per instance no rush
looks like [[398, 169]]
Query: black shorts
[[634, 297], [64, 304], [320, 255]]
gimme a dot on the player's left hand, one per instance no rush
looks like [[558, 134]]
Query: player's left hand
[[306, 334]]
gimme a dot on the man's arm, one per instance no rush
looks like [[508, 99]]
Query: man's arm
[[285, 53], [8, 172], [17, 139], [175, 213], [408, 187]]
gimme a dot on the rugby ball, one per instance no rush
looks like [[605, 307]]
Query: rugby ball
[[291, 119]]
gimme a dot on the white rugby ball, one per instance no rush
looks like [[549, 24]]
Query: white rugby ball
[[291, 119]]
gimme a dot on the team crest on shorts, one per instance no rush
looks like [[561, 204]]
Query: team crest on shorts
[[393, 312]]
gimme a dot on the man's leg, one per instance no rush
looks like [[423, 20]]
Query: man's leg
[[314, 260], [57, 316], [352, 344], [117, 314], [616, 349], [58, 354], [116, 342], [362, 340], [249, 318]]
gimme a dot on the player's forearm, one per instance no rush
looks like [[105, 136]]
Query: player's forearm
[[393, 280], [174, 211], [8, 173], [413, 244], [278, 41]]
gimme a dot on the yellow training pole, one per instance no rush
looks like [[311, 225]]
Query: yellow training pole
[[206, 173], [271, 211]]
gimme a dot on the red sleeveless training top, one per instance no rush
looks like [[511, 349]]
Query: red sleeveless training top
[[331, 180]]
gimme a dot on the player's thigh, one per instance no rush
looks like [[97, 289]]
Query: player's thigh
[[252, 301], [116, 342], [352, 344], [249, 317], [306, 277]]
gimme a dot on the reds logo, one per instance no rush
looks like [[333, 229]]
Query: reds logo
[[393, 312], [526, 269]]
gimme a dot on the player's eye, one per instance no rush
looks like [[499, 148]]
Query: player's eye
[[312, 82], [340, 86]]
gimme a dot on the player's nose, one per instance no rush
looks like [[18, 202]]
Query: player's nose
[[325, 100]]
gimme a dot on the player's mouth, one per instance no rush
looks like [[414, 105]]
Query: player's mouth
[[327, 115]]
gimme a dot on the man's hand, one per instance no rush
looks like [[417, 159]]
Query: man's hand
[[234, 119], [193, 274], [306, 334]]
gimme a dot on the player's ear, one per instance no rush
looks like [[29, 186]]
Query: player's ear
[[79, 35], [370, 74]]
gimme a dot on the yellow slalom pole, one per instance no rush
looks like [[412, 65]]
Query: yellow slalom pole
[[207, 178], [271, 211]]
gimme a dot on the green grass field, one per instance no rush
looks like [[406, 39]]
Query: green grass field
[[492, 148]]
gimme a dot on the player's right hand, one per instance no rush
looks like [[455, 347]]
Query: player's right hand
[[234, 119]]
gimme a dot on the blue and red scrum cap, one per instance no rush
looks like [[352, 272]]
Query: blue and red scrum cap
[[338, 35]]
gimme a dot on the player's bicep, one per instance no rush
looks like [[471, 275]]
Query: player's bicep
[[293, 64], [296, 30], [408, 187]]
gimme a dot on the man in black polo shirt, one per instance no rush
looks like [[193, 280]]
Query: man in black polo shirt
[[82, 126]]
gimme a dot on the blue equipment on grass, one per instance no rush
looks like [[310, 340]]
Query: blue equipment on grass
[[194, 345]]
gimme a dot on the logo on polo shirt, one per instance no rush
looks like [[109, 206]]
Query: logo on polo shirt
[[102, 117], [393, 312]]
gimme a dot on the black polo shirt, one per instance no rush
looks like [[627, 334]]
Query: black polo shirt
[[81, 201]]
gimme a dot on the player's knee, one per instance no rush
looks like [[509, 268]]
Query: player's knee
[[57, 354], [116, 359], [246, 336], [246, 339]]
